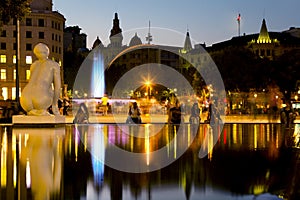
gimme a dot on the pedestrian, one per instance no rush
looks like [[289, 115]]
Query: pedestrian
[[82, 115], [175, 114], [195, 114], [104, 104], [134, 114]]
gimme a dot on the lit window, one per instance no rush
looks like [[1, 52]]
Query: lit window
[[13, 93], [14, 59], [4, 93], [27, 74], [15, 75], [59, 62], [2, 58], [3, 74], [28, 60]]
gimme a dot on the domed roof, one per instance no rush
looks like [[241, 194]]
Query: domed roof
[[97, 42], [83, 50], [135, 40]]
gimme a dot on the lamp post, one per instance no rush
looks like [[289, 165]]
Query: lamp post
[[148, 83], [255, 108]]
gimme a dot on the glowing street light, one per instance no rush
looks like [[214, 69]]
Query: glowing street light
[[148, 93]]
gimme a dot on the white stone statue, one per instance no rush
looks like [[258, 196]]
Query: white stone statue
[[43, 88]]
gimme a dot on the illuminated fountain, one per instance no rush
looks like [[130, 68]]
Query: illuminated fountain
[[97, 79]]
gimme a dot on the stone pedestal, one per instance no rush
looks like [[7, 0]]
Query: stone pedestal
[[38, 120]]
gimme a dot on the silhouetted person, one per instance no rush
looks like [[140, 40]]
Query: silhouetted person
[[82, 115]]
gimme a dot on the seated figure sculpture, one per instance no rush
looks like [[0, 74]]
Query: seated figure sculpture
[[43, 88]]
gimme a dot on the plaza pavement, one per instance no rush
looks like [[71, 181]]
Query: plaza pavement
[[159, 118]]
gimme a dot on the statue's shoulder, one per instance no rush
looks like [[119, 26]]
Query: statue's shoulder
[[52, 63]]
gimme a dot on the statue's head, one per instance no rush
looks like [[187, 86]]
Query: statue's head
[[41, 51]]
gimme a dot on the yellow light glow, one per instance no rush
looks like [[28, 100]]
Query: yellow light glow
[[255, 137], [2, 58], [147, 144], [4, 159]]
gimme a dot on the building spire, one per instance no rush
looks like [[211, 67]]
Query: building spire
[[116, 33], [264, 34], [187, 43], [116, 26]]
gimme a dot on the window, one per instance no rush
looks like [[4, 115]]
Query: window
[[41, 35], [15, 34], [3, 74], [41, 22], [2, 58], [28, 47], [15, 74], [15, 46], [4, 93], [27, 74], [28, 34], [28, 60], [28, 22], [14, 59], [13, 92], [52, 36], [3, 33], [3, 46]]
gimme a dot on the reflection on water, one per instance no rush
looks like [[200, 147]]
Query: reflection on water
[[248, 161]]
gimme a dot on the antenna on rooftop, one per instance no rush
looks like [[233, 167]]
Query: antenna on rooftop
[[149, 36]]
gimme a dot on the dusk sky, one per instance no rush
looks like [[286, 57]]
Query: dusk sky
[[208, 21]]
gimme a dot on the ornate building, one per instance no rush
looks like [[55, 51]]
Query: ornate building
[[264, 44], [41, 25]]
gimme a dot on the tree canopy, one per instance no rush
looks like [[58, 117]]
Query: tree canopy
[[13, 9]]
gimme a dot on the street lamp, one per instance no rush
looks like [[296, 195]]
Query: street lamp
[[147, 83]]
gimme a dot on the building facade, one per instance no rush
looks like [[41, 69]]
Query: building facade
[[41, 25]]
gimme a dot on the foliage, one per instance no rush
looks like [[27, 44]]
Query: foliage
[[241, 70], [13, 9]]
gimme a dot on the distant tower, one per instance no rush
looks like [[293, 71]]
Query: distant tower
[[187, 43], [116, 33], [239, 24], [264, 34], [149, 36]]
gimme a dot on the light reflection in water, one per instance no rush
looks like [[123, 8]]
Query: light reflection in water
[[98, 153], [40, 158], [248, 160], [4, 158]]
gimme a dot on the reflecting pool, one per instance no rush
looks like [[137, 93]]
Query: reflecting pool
[[150, 161]]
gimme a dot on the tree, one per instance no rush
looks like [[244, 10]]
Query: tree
[[16, 10], [13, 9]]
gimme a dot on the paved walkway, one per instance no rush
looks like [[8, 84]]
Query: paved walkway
[[158, 118]]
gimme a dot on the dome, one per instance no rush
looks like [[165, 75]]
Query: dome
[[83, 50], [97, 42], [135, 40]]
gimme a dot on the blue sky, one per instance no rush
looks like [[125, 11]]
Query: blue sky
[[208, 21]]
